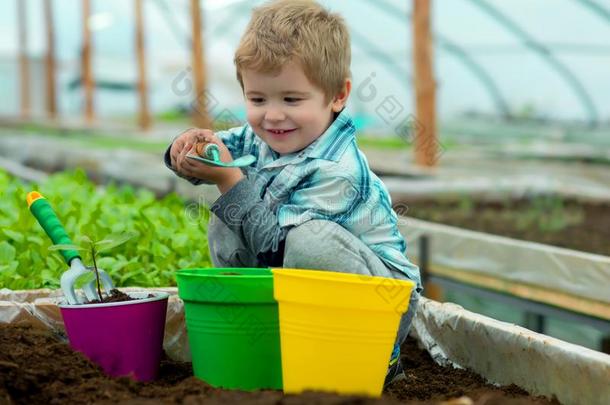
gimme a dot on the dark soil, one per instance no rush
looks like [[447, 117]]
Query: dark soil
[[565, 223], [114, 296], [117, 296], [36, 367]]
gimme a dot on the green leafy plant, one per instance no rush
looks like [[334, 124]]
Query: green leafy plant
[[170, 232], [94, 247]]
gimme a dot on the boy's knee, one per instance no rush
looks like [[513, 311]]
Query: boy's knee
[[314, 235], [310, 242], [326, 245]]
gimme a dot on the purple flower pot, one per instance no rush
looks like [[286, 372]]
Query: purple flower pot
[[124, 338]]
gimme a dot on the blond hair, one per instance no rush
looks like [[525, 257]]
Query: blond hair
[[301, 29]]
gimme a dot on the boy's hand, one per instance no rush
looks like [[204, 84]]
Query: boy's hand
[[185, 141], [185, 144]]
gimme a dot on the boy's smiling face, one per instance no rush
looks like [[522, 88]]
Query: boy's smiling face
[[286, 110]]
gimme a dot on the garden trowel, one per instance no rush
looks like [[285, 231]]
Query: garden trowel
[[210, 155], [43, 212]]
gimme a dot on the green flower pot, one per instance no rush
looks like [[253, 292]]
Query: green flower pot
[[232, 325]]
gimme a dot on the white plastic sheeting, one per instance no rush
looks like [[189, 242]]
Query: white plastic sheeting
[[572, 272], [501, 352], [508, 354]]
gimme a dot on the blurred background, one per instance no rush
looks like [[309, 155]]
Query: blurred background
[[482, 115], [543, 61]]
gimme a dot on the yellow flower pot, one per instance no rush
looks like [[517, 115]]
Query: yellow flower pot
[[337, 330]]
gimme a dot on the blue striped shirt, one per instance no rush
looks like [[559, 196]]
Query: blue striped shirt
[[328, 180]]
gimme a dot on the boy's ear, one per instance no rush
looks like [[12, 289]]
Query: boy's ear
[[340, 99]]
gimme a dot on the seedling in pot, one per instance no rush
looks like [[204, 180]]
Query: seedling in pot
[[93, 248], [43, 212], [128, 338]]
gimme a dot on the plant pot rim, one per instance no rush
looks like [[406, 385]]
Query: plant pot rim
[[231, 272], [158, 296]]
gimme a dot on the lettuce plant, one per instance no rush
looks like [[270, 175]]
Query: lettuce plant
[[170, 234]]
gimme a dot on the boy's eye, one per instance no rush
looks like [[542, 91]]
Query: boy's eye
[[257, 100], [291, 99]]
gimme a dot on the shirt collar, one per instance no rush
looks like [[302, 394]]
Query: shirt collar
[[332, 143]]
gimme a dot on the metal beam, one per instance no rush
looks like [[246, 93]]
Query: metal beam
[[546, 54], [480, 73], [596, 8]]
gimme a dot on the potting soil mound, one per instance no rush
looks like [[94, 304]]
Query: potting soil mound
[[38, 367]]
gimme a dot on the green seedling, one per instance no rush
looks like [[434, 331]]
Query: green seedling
[[93, 248]]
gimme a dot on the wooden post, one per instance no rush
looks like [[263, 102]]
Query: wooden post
[[24, 64], [426, 143], [86, 68], [200, 113], [51, 101], [144, 115]]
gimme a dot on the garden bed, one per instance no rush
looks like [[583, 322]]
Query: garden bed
[[583, 226], [37, 366], [85, 383], [541, 250]]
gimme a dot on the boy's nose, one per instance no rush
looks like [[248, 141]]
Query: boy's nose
[[274, 114]]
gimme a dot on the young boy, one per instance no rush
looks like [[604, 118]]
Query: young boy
[[310, 200]]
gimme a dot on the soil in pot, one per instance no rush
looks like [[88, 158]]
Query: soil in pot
[[115, 296], [572, 224], [37, 367]]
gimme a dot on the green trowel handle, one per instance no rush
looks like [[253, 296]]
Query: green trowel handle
[[43, 212]]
